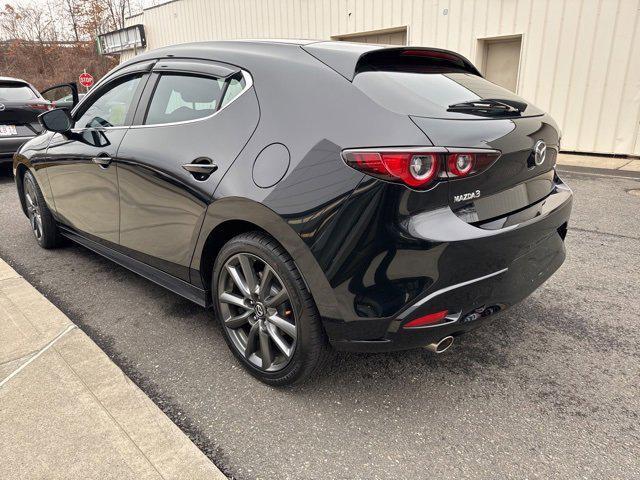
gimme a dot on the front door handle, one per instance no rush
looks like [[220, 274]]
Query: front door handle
[[103, 160]]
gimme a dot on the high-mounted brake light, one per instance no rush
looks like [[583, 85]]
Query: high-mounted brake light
[[430, 54], [419, 169]]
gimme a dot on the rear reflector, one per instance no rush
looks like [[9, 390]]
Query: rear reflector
[[429, 319], [41, 106], [419, 169]]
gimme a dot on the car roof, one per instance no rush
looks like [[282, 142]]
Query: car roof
[[248, 46], [343, 57], [12, 79]]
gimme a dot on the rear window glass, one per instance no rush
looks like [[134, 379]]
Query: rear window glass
[[16, 92], [429, 94]]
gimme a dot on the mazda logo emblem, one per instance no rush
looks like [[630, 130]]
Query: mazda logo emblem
[[540, 151], [259, 310], [2, 107]]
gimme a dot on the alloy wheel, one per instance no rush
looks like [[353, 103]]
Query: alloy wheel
[[33, 209], [257, 312]]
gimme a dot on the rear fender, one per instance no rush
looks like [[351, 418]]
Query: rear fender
[[241, 209]]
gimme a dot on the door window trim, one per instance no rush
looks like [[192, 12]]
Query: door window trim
[[144, 77], [137, 123]]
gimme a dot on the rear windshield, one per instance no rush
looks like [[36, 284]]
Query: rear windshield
[[430, 94], [16, 92]]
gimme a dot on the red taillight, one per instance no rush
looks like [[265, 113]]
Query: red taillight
[[427, 319], [460, 164], [418, 169], [464, 164], [413, 169]]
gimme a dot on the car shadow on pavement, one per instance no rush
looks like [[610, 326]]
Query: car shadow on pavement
[[6, 173]]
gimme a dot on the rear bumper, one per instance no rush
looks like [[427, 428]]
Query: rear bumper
[[481, 274], [9, 146]]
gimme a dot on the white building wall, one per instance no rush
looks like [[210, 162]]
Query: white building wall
[[580, 59]]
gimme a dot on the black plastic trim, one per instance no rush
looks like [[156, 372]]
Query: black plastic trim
[[163, 279]]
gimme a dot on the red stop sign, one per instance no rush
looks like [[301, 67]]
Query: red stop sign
[[86, 79]]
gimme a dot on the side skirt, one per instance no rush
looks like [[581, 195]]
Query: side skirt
[[176, 285]]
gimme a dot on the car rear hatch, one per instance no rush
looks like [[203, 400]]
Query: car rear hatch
[[19, 109], [458, 109]]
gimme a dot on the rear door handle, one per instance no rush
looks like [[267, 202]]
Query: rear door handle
[[206, 168], [102, 160], [201, 168]]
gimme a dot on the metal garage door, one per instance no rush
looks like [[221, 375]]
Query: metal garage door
[[501, 62]]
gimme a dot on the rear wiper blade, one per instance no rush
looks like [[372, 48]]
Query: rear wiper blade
[[489, 107]]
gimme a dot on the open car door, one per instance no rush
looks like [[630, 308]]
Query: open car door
[[64, 95]]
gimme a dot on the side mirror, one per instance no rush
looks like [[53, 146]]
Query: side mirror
[[57, 120], [62, 96]]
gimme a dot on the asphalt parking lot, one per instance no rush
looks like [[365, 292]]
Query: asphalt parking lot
[[551, 390]]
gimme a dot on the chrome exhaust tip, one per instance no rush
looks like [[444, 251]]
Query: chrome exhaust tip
[[441, 345]]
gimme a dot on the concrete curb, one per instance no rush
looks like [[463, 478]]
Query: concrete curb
[[599, 162], [67, 411]]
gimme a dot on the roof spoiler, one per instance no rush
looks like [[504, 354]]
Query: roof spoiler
[[348, 59]]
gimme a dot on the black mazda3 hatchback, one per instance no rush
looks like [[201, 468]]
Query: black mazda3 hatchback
[[313, 194]]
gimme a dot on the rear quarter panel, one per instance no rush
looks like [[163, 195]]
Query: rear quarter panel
[[315, 113]]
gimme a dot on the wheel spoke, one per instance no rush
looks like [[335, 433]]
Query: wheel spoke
[[265, 281], [38, 225], [249, 273], [251, 298], [265, 349], [227, 297], [279, 341], [239, 320], [30, 204], [251, 340], [277, 299], [282, 324], [239, 281]]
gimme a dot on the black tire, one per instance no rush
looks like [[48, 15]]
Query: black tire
[[310, 346], [43, 225]]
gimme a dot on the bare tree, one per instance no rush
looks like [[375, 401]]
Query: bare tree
[[53, 41], [75, 11]]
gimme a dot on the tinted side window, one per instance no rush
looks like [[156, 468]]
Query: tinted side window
[[110, 108], [235, 87], [179, 98]]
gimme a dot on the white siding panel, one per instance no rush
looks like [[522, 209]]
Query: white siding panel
[[579, 58]]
